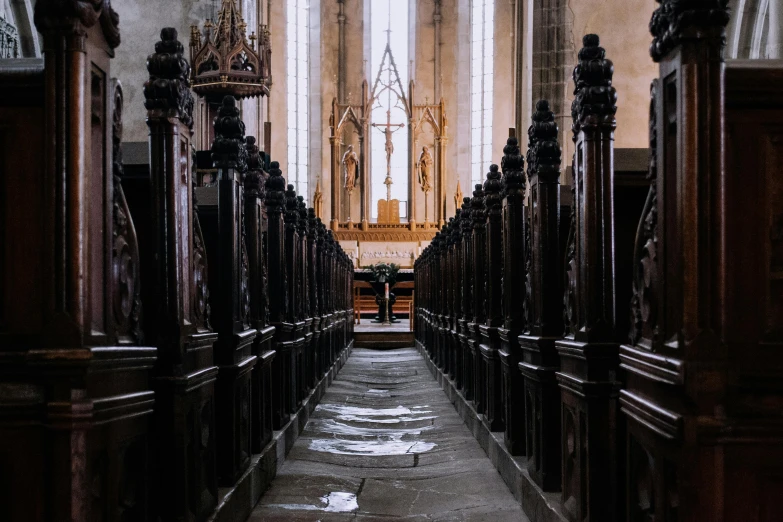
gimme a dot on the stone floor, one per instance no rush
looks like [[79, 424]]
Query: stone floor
[[386, 444]]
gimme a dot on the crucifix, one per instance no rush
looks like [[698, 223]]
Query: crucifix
[[387, 131]]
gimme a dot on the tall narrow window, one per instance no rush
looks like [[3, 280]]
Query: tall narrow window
[[481, 86], [298, 114], [389, 45]]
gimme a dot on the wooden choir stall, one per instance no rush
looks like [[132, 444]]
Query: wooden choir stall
[[157, 356], [675, 415]]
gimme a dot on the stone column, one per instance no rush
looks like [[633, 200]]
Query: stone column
[[775, 36]]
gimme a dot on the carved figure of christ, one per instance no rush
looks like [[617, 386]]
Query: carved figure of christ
[[387, 131]]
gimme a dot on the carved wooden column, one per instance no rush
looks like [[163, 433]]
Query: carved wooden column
[[479, 216], [515, 295], [321, 273], [443, 300], [231, 310], [313, 290], [293, 252], [490, 339], [466, 282], [701, 361], [304, 301], [448, 293], [589, 353], [456, 307], [278, 292], [261, 413], [177, 295], [545, 304]]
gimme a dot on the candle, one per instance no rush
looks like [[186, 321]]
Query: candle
[[387, 290]]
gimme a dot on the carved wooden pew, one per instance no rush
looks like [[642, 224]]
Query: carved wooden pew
[[255, 225], [479, 215], [282, 366], [704, 365], [490, 342], [515, 288], [77, 397], [466, 284], [544, 324], [176, 296], [229, 291]]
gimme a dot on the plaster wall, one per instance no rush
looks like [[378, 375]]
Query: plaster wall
[[624, 32]]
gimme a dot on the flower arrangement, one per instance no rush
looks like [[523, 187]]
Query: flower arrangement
[[385, 272]]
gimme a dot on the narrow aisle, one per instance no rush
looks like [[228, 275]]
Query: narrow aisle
[[386, 444]]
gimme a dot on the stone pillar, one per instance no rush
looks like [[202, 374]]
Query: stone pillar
[[775, 36]]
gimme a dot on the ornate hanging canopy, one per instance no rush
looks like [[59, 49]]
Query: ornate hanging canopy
[[225, 61]]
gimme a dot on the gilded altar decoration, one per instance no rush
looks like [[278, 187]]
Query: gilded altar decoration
[[226, 61]]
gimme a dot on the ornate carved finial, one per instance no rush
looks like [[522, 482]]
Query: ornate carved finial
[[225, 62], [543, 153], [167, 92], [457, 196], [318, 200], [228, 150], [594, 97], [291, 207], [302, 209], [513, 165], [254, 179], [493, 187], [467, 217], [478, 212], [275, 189], [678, 20]]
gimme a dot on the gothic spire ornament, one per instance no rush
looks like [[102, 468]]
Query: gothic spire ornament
[[225, 60]]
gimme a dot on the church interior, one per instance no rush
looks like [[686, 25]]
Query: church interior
[[427, 260]]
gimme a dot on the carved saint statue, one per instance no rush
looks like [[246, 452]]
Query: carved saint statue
[[350, 168], [425, 169]]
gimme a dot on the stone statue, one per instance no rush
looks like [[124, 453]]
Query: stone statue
[[425, 169], [350, 168]]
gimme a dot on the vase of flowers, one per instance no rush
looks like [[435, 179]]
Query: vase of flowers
[[384, 273]]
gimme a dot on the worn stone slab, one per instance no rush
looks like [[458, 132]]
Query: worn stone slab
[[385, 443], [541, 506]]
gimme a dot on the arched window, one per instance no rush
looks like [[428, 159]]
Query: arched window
[[389, 117], [481, 86], [298, 64]]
